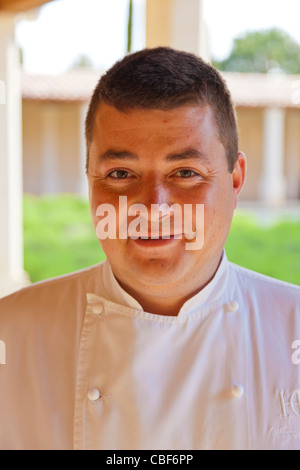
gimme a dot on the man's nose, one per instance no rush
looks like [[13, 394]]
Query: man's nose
[[154, 192]]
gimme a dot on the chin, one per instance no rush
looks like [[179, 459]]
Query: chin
[[157, 271]]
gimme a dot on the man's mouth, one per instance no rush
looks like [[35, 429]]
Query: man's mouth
[[157, 236], [155, 242]]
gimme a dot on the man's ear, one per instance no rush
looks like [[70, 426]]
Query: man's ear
[[239, 175]]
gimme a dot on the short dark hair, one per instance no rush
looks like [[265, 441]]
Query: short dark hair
[[164, 78]]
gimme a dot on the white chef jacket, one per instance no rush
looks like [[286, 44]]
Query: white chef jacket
[[86, 368]]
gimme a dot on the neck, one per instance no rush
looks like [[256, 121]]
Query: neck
[[168, 299]]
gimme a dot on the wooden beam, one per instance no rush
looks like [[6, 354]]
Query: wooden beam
[[17, 6]]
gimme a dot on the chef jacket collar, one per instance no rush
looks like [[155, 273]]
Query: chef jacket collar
[[209, 294]]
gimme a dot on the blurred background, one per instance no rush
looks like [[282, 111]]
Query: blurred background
[[52, 54]]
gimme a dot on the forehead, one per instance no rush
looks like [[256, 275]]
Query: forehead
[[153, 129], [153, 135], [188, 116]]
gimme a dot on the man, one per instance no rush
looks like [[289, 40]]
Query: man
[[165, 345]]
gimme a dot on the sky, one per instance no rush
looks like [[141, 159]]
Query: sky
[[227, 19], [53, 39], [66, 29]]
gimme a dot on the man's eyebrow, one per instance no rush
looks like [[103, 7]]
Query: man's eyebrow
[[186, 154], [117, 155]]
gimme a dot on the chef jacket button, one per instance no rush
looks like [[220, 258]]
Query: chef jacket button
[[94, 394], [237, 391], [97, 309], [233, 306]]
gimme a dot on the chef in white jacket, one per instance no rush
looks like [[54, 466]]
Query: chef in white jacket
[[165, 345]]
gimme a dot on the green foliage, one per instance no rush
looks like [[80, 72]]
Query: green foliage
[[129, 27], [263, 51], [59, 238], [82, 61], [272, 249]]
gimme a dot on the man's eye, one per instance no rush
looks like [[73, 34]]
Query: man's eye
[[118, 174], [186, 173]]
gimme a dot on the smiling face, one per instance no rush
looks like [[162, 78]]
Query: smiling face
[[155, 157]]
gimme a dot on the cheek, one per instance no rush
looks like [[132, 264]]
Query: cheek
[[217, 222], [93, 210], [218, 210], [96, 198]]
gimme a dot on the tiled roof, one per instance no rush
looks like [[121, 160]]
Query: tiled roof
[[249, 89], [246, 89], [75, 85]]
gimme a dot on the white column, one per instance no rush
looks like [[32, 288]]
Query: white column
[[50, 175], [12, 275], [178, 24], [292, 155], [82, 177], [272, 182]]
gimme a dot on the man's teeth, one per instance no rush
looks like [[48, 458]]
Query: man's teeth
[[156, 237]]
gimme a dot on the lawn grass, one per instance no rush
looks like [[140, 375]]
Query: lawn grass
[[59, 238], [271, 249]]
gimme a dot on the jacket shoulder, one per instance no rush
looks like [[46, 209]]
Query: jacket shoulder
[[254, 283], [51, 293]]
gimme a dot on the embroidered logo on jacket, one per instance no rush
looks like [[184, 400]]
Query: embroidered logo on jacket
[[283, 432], [290, 403]]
